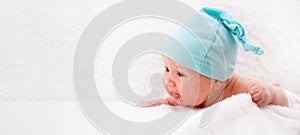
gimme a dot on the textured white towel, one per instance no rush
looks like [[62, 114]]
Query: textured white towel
[[239, 115], [294, 100], [236, 115]]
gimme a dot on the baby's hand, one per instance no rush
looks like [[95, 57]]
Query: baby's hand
[[168, 101], [149, 104], [261, 93], [276, 84]]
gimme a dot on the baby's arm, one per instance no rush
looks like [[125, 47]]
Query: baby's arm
[[264, 94], [280, 97], [167, 101]]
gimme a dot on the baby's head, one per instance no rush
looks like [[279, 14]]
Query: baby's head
[[188, 86], [199, 60]]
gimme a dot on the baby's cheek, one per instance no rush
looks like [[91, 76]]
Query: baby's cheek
[[197, 97], [166, 89], [189, 98]]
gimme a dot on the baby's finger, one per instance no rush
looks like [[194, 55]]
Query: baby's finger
[[253, 90], [251, 85], [276, 84], [148, 104], [261, 102], [257, 103], [256, 97]]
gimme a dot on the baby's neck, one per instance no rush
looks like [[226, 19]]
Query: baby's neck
[[235, 85]]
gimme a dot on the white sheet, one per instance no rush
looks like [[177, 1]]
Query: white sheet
[[235, 116], [238, 115]]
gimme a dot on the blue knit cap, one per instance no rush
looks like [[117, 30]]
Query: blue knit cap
[[209, 44]]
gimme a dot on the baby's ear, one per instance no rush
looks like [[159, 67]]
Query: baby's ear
[[218, 84]]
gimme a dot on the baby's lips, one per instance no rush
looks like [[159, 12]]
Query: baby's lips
[[177, 96], [173, 93]]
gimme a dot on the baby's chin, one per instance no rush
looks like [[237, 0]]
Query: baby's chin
[[182, 102]]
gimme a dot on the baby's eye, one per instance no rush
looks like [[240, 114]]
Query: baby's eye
[[180, 74], [167, 69]]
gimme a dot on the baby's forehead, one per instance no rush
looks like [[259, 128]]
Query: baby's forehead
[[169, 62], [173, 64]]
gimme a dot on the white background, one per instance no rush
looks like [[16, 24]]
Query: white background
[[38, 39]]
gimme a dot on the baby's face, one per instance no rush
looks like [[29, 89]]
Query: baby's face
[[189, 87]]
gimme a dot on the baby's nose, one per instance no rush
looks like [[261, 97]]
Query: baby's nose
[[171, 83]]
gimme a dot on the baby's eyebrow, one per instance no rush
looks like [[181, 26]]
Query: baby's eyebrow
[[180, 69]]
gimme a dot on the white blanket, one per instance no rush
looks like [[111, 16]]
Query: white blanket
[[239, 115], [236, 115]]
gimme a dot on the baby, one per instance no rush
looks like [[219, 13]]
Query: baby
[[199, 69], [180, 83]]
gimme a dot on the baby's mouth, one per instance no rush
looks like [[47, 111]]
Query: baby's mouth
[[175, 95]]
